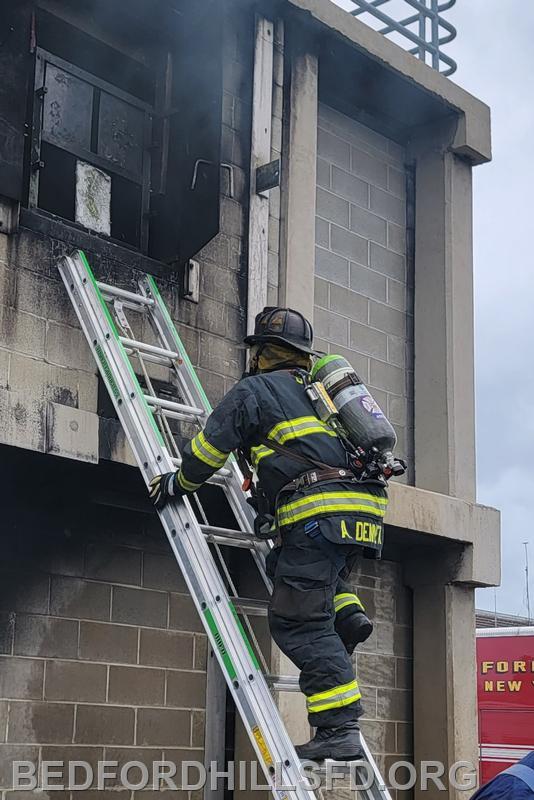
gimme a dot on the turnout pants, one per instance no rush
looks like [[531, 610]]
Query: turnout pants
[[308, 573]]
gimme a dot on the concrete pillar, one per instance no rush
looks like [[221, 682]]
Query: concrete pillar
[[445, 710], [297, 256], [444, 349]]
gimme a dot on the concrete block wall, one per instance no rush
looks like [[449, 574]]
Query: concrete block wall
[[384, 663], [363, 284], [102, 655]]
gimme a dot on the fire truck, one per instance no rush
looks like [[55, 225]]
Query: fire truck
[[505, 686]]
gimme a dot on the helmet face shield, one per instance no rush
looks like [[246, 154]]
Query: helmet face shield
[[282, 326]]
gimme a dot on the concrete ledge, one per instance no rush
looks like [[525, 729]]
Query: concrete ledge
[[473, 137], [474, 528]]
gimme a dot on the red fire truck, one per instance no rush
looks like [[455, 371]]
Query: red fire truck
[[505, 681]]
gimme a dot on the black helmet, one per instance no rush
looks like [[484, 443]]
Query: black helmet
[[282, 326]]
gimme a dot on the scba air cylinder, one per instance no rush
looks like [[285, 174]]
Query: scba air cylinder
[[364, 422]]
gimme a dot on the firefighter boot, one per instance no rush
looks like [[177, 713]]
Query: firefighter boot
[[340, 744], [353, 628]]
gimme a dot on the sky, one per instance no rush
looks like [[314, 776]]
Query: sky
[[495, 59]]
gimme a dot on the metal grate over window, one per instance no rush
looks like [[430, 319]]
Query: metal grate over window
[[418, 24]]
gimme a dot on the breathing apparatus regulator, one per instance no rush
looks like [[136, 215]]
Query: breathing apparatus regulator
[[342, 401]]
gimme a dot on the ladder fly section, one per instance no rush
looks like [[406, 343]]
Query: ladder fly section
[[146, 419]]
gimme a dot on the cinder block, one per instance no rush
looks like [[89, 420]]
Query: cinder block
[[115, 564], [367, 166], [331, 326], [387, 319], [183, 615], [348, 244], [404, 606], [5, 358], [397, 409], [396, 151], [333, 208], [186, 689], [71, 680], [396, 238], [162, 572], [396, 181], [404, 673], [350, 187], [7, 630], [163, 727], [23, 421], [67, 347], [219, 355], [396, 351], [8, 285], [37, 294], [46, 637], [404, 741], [21, 679], [274, 203], [24, 592], [70, 387], [66, 753], [333, 149], [127, 755], [324, 178], [3, 723], [388, 206], [10, 753], [136, 687], [104, 725], [387, 262], [72, 597], [322, 232], [368, 225], [387, 377], [116, 643], [379, 395], [72, 433], [353, 131], [394, 704], [232, 218], [139, 607], [216, 251], [367, 282], [198, 728], [47, 723], [394, 639], [321, 293], [22, 332], [397, 295], [357, 360], [201, 652], [380, 736], [367, 340], [214, 385], [347, 303], [332, 267], [166, 649]]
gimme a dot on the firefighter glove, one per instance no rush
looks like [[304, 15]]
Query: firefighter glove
[[163, 488]]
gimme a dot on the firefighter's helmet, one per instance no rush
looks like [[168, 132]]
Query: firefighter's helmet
[[282, 326]]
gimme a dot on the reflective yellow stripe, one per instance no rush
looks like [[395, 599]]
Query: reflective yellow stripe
[[295, 428], [347, 599], [187, 485], [207, 453], [329, 503], [258, 453], [334, 698]]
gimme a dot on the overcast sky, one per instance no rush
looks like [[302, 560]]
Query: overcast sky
[[494, 51], [494, 54]]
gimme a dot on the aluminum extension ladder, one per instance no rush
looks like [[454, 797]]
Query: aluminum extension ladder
[[145, 418]]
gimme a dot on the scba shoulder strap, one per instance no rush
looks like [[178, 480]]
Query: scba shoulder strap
[[524, 773]]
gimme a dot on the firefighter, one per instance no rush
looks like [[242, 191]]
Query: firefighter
[[514, 783], [319, 508]]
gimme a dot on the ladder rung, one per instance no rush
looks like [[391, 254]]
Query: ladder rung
[[148, 357], [251, 606], [228, 532], [283, 683], [114, 291], [217, 478], [171, 405], [149, 348]]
